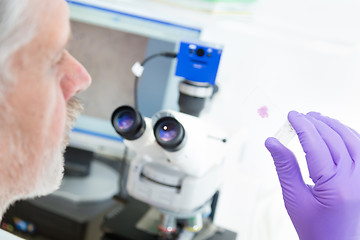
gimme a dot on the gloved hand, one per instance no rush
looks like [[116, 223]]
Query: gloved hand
[[329, 210]]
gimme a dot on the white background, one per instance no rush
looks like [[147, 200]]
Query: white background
[[291, 55]]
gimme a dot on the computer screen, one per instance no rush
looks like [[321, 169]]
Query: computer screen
[[108, 42]]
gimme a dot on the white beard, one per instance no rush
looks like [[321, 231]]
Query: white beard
[[50, 174], [28, 174]]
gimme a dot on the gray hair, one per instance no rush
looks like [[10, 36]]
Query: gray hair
[[17, 28]]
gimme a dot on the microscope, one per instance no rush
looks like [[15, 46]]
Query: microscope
[[177, 168], [179, 158]]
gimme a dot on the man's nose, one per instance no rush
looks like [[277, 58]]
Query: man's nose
[[75, 79]]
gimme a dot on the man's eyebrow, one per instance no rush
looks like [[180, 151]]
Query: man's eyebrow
[[64, 46]]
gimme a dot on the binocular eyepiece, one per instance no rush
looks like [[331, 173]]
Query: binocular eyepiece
[[128, 123], [169, 133]]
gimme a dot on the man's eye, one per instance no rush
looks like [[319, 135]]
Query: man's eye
[[60, 58]]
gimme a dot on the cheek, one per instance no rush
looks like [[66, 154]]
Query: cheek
[[58, 119]]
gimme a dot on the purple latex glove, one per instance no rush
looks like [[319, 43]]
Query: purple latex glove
[[329, 210]]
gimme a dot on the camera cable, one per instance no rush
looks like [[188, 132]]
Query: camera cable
[[138, 69]]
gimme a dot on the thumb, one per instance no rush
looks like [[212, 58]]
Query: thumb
[[288, 170]]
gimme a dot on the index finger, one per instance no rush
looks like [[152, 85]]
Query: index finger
[[318, 156]]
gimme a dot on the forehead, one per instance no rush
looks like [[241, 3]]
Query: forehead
[[51, 36], [53, 25]]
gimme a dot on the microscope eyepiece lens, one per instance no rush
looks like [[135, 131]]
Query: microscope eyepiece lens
[[128, 123], [125, 120], [169, 133]]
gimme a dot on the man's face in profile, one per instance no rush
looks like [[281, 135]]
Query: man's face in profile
[[37, 117]]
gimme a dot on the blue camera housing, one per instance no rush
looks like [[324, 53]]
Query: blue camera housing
[[198, 62]]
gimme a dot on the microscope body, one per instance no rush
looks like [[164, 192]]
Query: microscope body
[[178, 167], [179, 180], [169, 188]]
